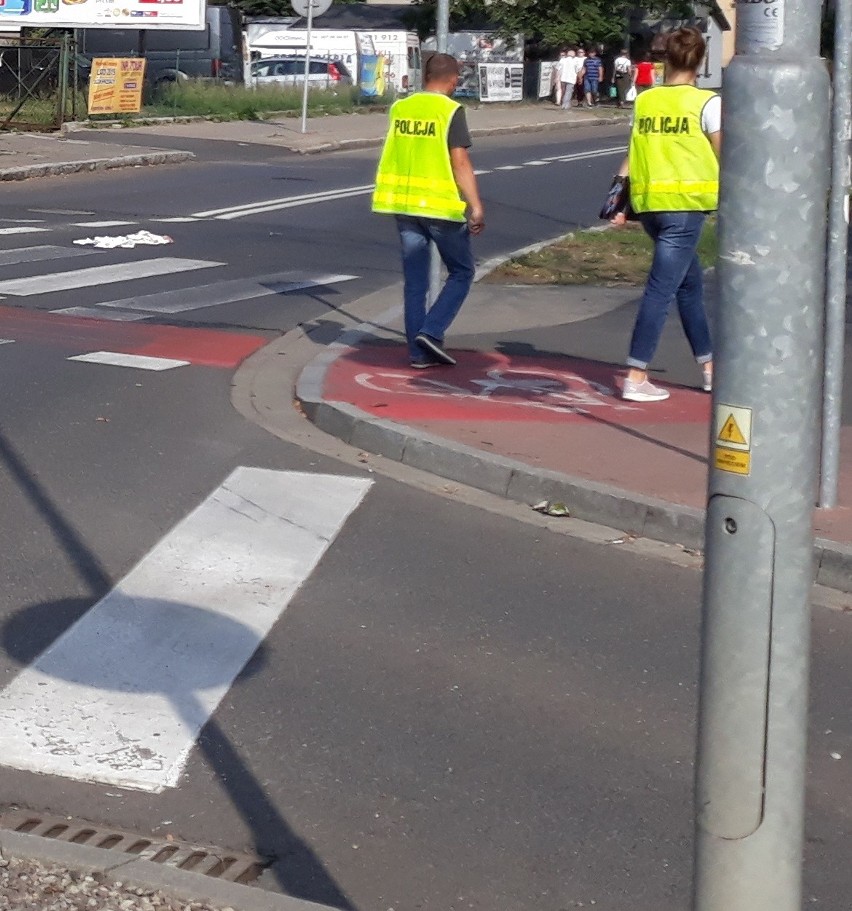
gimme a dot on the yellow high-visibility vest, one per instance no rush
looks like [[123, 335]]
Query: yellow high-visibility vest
[[673, 167], [415, 175]]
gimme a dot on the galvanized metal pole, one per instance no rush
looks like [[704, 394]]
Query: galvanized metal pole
[[750, 773], [838, 224], [442, 32], [307, 66]]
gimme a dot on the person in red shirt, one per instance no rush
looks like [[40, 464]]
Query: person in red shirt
[[643, 74]]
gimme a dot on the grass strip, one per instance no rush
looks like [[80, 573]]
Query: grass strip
[[612, 258]]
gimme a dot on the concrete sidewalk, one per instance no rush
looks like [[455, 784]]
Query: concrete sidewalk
[[532, 413]]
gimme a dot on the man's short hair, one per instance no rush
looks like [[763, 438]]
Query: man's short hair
[[439, 67]]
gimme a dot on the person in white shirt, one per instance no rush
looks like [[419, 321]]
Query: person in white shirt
[[622, 67], [567, 77], [580, 68]]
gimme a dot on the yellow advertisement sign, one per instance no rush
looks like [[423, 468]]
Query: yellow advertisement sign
[[115, 86]]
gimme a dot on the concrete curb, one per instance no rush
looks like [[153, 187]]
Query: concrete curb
[[590, 501], [337, 145], [136, 873], [25, 172]]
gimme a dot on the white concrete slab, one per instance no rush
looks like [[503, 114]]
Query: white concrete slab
[[122, 695]]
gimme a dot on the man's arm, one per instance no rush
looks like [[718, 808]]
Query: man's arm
[[466, 180]]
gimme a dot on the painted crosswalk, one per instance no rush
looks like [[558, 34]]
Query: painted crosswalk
[[121, 697]]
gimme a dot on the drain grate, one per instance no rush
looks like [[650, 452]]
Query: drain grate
[[225, 865]]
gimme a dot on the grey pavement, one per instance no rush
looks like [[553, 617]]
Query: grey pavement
[[537, 324], [76, 150]]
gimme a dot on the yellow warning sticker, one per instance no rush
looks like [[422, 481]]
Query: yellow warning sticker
[[732, 434], [732, 460]]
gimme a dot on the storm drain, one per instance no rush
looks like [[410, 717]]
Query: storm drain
[[224, 865]]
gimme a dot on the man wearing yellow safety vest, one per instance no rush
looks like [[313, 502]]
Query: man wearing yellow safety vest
[[425, 178], [673, 166]]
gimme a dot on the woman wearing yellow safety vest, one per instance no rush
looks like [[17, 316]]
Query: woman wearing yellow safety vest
[[673, 165]]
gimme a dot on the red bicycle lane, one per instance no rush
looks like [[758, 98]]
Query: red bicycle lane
[[561, 414]]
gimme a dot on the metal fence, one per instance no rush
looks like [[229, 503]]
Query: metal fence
[[34, 83]]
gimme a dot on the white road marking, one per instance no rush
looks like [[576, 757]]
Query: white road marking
[[122, 695], [24, 221], [94, 313], [23, 229], [181, 300], [508, 167], [7, 341], [39, 253], [137, 361], [101, 275], [178, 220], [101, 224], [534, 164], [304, 198]]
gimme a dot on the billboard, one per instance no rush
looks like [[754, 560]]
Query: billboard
[[171, 14]]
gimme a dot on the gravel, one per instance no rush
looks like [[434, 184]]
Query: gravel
[[29, 886]]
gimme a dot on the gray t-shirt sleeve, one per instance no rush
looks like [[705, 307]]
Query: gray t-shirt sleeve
[[459, 135]]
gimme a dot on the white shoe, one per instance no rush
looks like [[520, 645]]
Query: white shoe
[[643, 392], [707, 379]]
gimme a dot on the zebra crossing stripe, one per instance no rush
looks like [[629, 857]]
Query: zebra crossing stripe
[[119, 316], [101, 275], [137, 361], [122, 695], [23, 229], [39, 253]]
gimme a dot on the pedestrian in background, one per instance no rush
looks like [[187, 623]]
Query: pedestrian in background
[[593, 76], [556, 78], [568, 77], [673, 166], [580, 65], [643, 74], [622, 68], [425, 178]]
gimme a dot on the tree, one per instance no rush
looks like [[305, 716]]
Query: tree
[[552, 23]]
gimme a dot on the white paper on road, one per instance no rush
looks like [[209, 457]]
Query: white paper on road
[[126, 241], [122, 695]]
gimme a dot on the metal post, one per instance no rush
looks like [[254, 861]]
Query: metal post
[[838, 222], [307, 66], [442, 31], [750, 772]]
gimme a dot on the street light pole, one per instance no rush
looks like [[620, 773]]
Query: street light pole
[[750, 774]]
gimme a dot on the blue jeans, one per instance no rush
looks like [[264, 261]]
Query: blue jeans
[[675, 273], [452, 239]]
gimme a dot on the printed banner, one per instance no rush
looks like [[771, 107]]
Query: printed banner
[[147, 14], [547, 77], [115, 86], [501, 82], [371, 76]]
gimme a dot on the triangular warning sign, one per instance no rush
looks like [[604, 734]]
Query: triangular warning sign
[[731, 433]]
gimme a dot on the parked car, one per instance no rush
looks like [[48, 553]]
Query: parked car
[[322, 74]]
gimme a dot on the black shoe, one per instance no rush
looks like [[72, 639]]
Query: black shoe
[[433, 347]]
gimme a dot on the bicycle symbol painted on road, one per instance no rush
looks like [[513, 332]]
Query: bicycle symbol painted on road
[[557, 391]]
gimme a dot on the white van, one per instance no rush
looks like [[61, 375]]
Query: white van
[[274, 38], [401, 50]]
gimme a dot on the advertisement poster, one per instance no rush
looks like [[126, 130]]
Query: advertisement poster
[[501, 82], [371, 79], [188, 14], [547, 77], [115, 86]]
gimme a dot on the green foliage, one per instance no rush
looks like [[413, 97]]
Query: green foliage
[[231, 102], [552, 23]]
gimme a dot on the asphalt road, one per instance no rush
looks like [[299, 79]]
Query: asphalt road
[[459, 709]]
